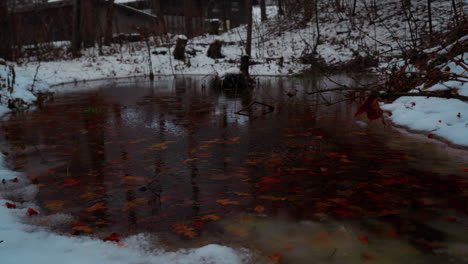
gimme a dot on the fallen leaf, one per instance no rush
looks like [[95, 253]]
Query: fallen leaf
[[210, 217], [95, 207], [367, 257], [15, 180], [371, 106], [32, 212], [130, 204], [226, 202], [55, 205], [364, 239], [259, 209], [198, 224], [115, 237], [10, 205], [184, 230], [276, 257], [70, 182], [393, 234]]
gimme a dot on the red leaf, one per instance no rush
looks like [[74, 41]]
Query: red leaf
[[198, 224], [275, 257], [77, 224], [390, 113], [113, 237], [5, 153], [32, 212], [342, 212], [367, 257], [371, 106], [71, 182], [459, 115], [51, 172], [465, 170], [393, 234], [364, 239], [334, 155], [430, 135], [268, 179], [450, 219], [10, 205]]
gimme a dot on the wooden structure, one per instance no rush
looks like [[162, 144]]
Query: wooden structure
[[53, 22]]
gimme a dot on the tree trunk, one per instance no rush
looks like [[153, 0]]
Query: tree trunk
[[245, 61], [280, 8], [188, 15], [179, 50], [308, 9], [109, 23], [263, 13], [429, 14], [5, 32], [76, 29], [89, 22]]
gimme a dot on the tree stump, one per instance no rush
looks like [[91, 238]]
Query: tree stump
[[214, 27], [244, 67], [214, 51], [179, 51]]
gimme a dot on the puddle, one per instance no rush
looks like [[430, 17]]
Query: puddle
[[304, 182]]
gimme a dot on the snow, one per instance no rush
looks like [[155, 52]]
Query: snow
[[446, 119], [22, 84]]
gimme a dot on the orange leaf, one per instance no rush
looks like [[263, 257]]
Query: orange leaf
[[226, 202], [55, 205], [184, 230], [259, 209], [83, 228], [32, 212], [371, 106], [211, 217], [95, 207]]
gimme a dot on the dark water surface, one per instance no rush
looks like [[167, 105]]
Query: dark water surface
[[307, 182]]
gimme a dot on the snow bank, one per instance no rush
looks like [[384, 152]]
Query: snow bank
[[18, 85], [443, 118]]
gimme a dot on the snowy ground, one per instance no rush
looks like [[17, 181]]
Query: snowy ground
[[438, 118], [277, 47]]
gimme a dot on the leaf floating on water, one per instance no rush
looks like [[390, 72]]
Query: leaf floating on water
[[55, 205], [81, 227], [276, 257], [259, 209], [364, 239], [95, 207], [114, 237], [130, 204], [393, 234], [198, 224], [32, 212], [10, 205], [367, 257], [184, 230], [227, 201], [71, 182], [210, 217]]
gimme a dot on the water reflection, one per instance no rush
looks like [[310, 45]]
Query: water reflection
[[173, 157]]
